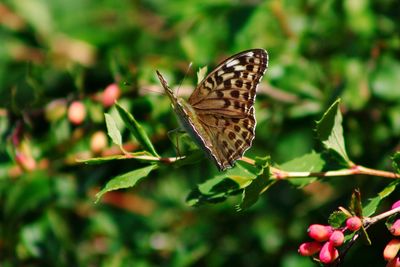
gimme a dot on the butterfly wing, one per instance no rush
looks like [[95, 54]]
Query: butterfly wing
[[223, 103]]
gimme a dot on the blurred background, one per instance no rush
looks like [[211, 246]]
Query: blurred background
[[62, 65]]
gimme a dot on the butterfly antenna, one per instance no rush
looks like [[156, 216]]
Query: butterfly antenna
[[184, 77]]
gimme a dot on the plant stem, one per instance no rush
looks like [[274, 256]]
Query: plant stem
[[371, 220], [281, 174], [354, 170]]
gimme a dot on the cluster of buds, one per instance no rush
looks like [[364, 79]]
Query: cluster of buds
[[327, 239], [391, 251], [77, 109]]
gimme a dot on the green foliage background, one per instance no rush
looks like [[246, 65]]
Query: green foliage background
[[68, 50]]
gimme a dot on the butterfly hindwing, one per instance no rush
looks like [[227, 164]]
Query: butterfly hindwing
[[230, 137]]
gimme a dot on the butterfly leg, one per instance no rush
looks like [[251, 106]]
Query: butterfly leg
[[173, 135]]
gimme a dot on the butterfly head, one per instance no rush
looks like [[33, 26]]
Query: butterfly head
[[166, 87]]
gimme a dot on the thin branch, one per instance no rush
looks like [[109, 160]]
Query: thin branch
[[281, 174], [367, 221], [354, 170], [386, 174]]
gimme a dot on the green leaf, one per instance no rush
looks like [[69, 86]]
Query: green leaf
[[185, 146], [390, 221], [112, 130], [102, 159], [219, 190], [191, 158], [136, 129], [373, 203], [221, 186], [27, 195], [356, 77], [365, 236], [143, 155], [355, 203], [250, 180], [182, 141], [241, 174], [311, 162], [262, 182], [125, 180], [337, 218], [201, 74], [396, 161], [385, 78], [330, 131]]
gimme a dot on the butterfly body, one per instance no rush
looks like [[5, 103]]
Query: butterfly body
[[219, 114]]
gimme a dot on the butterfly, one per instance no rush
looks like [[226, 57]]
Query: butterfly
[[219, 115]]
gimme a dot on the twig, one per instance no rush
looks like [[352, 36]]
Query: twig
[[354, 170], [367, 221]]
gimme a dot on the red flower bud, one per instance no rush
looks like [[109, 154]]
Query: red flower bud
[[353, 223], [76, 112], [328, 253], [98, 142], [110, 94], [26, 162], [396, 204], [309, 248], [320, 232], [391, 249], [395, 228], [394, 263], [336, 238]]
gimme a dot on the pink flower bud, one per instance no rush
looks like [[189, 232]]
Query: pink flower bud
[[76, 112], [394, 262], [395, 228], [309, 248], [98, 142], [396, 204], [110, 94], [336, 238], [391, 249], [320, 232], [353, 223], [27, 163], [328, 253]]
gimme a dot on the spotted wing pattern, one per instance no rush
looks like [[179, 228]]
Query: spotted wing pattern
[[224, 104]]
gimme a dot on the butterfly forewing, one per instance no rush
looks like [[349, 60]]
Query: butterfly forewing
[[239, 73], [220, 111]]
